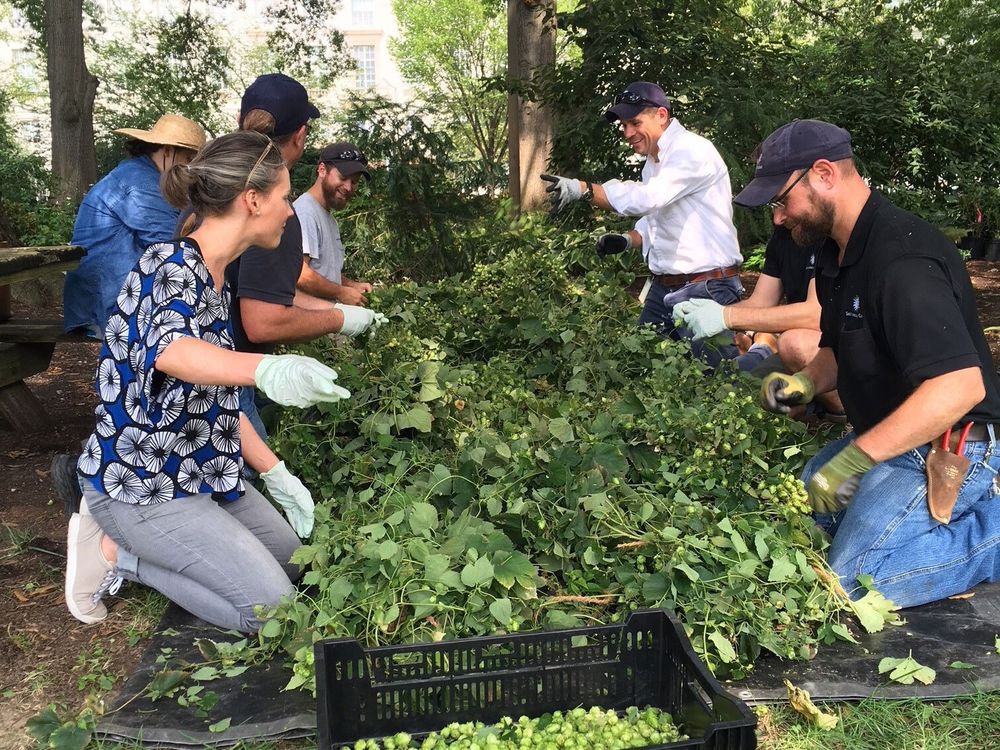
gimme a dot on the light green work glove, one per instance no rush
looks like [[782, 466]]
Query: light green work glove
[[294, 380], [780, 392], [703, 316], [288, 492], [357, 320], [833, 486]]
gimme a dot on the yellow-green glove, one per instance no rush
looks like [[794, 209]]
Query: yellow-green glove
[[832, 488], [780, 392]]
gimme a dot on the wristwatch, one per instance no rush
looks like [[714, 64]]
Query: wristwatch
[[588, 194]]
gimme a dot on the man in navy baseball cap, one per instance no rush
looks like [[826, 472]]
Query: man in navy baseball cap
[[284, 98], [636, 97], [797, 145]]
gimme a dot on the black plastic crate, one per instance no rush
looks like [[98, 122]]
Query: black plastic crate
[[420, 688]]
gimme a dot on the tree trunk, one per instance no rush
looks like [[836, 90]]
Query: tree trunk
[[531, 44], [71, 99]]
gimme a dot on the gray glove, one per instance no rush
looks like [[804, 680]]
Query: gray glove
[[564, 191], [288, 492], [357, 319], [294, 380]]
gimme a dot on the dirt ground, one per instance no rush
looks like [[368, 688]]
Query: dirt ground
[[45, 655]]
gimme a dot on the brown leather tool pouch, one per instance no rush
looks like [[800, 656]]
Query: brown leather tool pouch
[[945, 474]]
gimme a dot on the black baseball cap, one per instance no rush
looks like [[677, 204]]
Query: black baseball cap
[[636, 97], [284, 98], [347, 158], [797, 145]]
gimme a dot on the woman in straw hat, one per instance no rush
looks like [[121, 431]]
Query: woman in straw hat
[[165, 503], [122, 215]]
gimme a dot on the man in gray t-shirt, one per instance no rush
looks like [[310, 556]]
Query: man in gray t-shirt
[[340, 168]]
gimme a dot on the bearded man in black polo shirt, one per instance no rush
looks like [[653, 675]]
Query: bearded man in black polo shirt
[[901, 342]]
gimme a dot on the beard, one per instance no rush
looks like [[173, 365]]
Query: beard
[[814, 228], [333, 199]]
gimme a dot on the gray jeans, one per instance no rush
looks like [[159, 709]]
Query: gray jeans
[[216, 560]]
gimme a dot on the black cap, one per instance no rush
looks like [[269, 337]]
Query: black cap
[[284, 98], [347, 158], [636, 97], [797, 145]]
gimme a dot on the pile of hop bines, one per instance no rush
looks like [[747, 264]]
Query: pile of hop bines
[[518, 454]]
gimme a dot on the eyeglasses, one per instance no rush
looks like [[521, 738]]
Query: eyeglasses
[[260, 161], [779, 200], [349, 155], [630, 97]]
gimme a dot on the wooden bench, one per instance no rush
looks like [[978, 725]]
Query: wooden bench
[[26, 345]]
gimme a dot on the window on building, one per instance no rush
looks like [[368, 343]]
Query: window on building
[[363, 12], [364, 58], [24, 60]]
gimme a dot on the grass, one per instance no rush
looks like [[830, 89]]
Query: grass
[[961, 724]]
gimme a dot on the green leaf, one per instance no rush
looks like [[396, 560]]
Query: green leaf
[[874, 612], [782, 569], [688, 571], [419, 418], [205, 673], [477, 573], [840, 630], [962, 665], [423, 517], [220, 726], [70, 736], [561, 430], [791, 451], [725, 649], [905, 671], [501, 610], [387, 549], [165, 682], [271, 629], [429, 389]]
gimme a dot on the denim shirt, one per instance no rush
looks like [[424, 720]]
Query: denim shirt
[[122, 215]]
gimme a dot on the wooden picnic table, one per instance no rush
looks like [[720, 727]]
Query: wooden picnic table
[[26, 345]]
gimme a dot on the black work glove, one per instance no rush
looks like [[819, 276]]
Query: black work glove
[[612, 244]]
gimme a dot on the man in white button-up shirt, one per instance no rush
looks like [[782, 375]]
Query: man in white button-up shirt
[[684, 203]]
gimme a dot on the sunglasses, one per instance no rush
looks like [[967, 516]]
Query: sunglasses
[[779, 200], [630, 97], [349, 155]]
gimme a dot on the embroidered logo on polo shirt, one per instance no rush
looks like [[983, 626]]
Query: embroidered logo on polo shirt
[[855, 311]]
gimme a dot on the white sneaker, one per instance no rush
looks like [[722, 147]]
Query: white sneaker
[[89, 576]]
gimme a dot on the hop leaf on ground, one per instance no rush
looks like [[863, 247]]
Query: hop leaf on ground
[[905, 671]]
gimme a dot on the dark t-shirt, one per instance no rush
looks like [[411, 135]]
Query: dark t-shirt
[[793, 265], [899, 310], [268, 276]]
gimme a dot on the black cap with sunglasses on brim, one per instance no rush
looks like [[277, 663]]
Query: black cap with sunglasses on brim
[[637, 96], [797, 145], [347, 158]]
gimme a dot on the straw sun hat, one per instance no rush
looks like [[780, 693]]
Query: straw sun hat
[[170, 130]]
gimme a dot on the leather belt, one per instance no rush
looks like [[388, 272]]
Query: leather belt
[[978, 433], [680, 279]]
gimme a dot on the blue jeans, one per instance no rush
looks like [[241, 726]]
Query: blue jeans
[[248, 405], [659, 306], [217, 560], [888, 533]]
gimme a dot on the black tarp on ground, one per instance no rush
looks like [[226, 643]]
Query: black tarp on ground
[[255, 702], [937, 634]]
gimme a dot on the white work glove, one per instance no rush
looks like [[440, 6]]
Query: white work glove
[[564, 191], [357, 320], [703, 316], [294, 380], [288, 492]]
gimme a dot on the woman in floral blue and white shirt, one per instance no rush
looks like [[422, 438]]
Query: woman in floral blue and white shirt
[[164, 499]]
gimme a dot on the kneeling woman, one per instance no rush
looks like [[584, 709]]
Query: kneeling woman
[[164, 499]]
